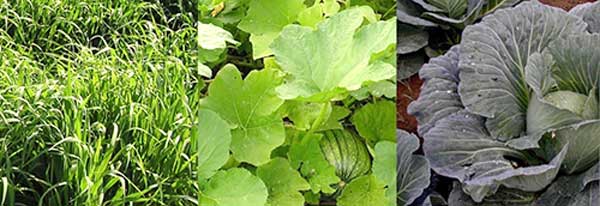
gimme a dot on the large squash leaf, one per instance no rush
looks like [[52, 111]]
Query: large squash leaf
[[364, 190], [213, 42], [372, 121], [213, 138], [284, 183], [264, 25], [325, 63], [249, 108], [305, 154], [235, 186], [384, 169]]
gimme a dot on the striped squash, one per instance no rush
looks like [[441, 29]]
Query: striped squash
[[347, 153]]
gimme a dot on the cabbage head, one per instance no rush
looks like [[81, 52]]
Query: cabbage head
[[512, 112]]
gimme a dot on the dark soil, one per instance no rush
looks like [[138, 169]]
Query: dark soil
[[408, 90], [565, 4]]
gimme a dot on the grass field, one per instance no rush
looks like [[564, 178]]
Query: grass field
[[97, 102]]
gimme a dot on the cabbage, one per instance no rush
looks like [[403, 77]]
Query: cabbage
[[512, 111]]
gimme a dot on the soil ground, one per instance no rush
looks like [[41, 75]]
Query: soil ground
[[408, 90], [565, 4]]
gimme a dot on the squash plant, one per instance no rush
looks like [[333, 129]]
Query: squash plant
[[300, 109]]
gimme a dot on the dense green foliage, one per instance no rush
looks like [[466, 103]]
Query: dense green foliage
[[284, 76], [97, 102]]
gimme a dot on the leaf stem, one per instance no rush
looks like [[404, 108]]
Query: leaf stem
[[320, 119]]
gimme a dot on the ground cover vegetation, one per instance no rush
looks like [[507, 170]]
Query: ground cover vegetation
[[299, 104], [97, 102]]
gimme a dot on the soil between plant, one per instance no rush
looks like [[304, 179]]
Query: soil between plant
[[408, 91], [565, 4]]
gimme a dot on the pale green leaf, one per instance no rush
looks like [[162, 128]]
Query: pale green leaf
[[383, 88], [284, 183], [305, 153], [333, 122], [212, 37], [265, 19], [330, 7], [376, 121], [248, 106], [333, 59], [365, 190], [261, 42], [214, 139], [204, 71], [312, 198], [234, 187], [384, 168], [303, 114], [311, 16]]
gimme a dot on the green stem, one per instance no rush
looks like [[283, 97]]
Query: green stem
[[393, 9], [348, 3], [320, 119]]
